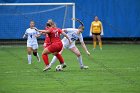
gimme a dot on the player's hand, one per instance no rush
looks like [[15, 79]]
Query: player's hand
[[24, 36], [88, 53], [70, 42], [36, 36], [41, 32]]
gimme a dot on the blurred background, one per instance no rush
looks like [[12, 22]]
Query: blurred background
[[120, 18]]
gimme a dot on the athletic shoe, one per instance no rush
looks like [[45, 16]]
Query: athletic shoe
[[46, 68], [84, 67], [64, 65]]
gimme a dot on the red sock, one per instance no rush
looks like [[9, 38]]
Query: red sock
[[45, 58], [60, 58]]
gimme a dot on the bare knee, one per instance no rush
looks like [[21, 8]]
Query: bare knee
[[99, 39], [94, 38], [78, 54], [29, 51]]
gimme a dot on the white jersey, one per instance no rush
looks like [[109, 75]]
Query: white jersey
[[31, 36], [73, 36]]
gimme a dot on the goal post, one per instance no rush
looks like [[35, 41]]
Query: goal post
[[16, 15]]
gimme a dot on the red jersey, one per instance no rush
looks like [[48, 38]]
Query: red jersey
[[54, 34], [47, 39]]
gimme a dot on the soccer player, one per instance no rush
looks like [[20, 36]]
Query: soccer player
[[96, 29], [74, 34], [32, 45], [56, 45], [47, 41]]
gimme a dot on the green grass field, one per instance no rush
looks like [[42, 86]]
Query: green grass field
[[115, 69]]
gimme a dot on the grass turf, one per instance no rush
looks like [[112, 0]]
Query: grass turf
[[115, 69]]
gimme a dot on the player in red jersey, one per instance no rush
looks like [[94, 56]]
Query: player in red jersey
[[56, 45], [47, 39]]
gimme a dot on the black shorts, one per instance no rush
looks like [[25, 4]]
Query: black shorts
[[96, 33]]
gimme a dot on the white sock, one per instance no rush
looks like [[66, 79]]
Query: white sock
[[53, 61], [80, 61], [38, 57], [29, 59]]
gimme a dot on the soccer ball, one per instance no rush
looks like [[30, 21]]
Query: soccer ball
[[59, 68]]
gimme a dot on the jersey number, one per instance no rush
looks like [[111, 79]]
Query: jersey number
[[56, 34], [74, 37], [31, 36]]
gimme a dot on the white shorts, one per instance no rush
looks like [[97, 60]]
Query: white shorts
[[66, 44], [33, 46]]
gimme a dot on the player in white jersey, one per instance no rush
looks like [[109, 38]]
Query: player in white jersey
[[74, 34], [32, 45]]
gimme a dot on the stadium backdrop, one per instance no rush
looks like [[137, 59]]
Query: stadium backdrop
[[120, 18]]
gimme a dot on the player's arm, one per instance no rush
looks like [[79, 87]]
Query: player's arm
[[42, 31], [101, 27], [25, 35], [38, 34], [63, 33], [91, 28], [83, 44], [84, 47]]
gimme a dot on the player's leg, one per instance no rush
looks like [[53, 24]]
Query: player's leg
[[45, 58], [100, 41], [76, 51], [59, 48], [54, 59], [94, 41], [35, 53], [29, 51]]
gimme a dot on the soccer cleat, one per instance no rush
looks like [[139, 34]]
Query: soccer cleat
[[84, 67], [93, 49], [46, 68], [64, 65]]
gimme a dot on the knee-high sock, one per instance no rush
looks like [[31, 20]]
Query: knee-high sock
[[29, 59], [45, 58], [94, 44], [60, 58], [53, 61], [100, 44], [80, 61]]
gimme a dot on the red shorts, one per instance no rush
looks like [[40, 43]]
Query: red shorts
[[46, 45], [55, 47]]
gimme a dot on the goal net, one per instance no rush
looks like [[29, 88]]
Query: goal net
[[15, 18]]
